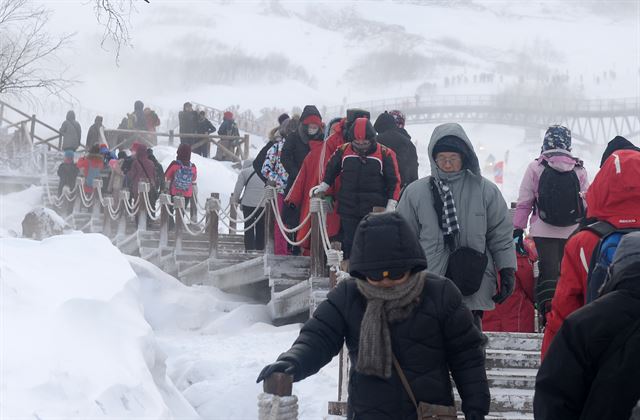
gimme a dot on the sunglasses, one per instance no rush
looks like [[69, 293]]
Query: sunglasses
[[391, 275]]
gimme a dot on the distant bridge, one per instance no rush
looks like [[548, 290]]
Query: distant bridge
[[591, 121]]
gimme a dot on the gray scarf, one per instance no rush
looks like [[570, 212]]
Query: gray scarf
[[384, 305]]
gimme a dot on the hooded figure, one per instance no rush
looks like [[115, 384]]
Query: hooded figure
[[618, 143], [71, 132], [592, 366], [296, 146], [611, 198], [227, 128], [67, 171], [550, 239], [93, 135], [142, 169], [474, 215], [369, 178], [390, 135], [392, 308], [140, 120]]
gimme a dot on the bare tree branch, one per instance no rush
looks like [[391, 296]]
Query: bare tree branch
[[28, 53], [115, 16]]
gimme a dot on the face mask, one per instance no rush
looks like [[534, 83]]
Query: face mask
[[361, 147], [313, 130]]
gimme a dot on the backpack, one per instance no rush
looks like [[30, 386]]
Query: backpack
[[602, 256], [183, 178], [559, 202]]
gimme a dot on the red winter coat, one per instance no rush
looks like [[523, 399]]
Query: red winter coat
[[90, 165], [614, 196], [311, 174], [517, 313]]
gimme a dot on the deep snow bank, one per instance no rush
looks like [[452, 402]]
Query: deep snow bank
[[75, 343]]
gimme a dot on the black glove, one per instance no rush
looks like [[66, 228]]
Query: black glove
[[543, 311], [507, 283], [519, 235], [279, 366]]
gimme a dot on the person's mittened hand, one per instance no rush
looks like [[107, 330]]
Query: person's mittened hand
[[391, 205], [507, 283], [279, 366]]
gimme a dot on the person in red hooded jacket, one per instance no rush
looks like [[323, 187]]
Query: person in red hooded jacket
[[613, 197]]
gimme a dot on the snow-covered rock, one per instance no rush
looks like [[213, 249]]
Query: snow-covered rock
[[41, 223]]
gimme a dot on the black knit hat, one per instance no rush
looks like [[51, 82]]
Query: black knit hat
[[450, 144], [283, 117], [618, 143], [385, 242]]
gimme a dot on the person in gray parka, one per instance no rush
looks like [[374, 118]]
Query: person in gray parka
[[460, 215], [71, 132], [248, 192]]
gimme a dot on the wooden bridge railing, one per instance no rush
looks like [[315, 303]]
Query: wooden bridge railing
[[29, 123]]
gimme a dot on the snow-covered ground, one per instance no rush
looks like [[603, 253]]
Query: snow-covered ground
[[81, 341]]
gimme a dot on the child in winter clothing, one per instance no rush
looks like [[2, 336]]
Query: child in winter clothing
[[67, 171], [182, 174], [549, 239], [275, 173], [91, 165]]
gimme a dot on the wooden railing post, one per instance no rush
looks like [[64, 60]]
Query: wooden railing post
[[164, 201], [107, 224], [245, 154], [193, 208], [171, 137], [32, 129], [269, 243], [213, 205], [178, 203], [122, 220], [233, 214], [317, 263], [277, 401], [142, 207]]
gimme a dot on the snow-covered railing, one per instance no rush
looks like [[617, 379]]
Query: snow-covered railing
[[239, 152]]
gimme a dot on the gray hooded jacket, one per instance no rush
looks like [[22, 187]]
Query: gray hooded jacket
[[482, 213], [71, 132], [249, 182]]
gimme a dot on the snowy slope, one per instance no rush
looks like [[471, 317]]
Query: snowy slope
[[265, 53], [80, 341]]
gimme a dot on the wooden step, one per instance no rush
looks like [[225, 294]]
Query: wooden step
[[512, 359]]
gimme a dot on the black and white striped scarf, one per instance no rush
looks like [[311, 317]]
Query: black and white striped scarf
[[448, 218]]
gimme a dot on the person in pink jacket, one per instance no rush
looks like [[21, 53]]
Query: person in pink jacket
[[552, 189]]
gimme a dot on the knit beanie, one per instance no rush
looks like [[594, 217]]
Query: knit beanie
[[452, 144], [399, 118], [361, 129], [69, 156], [184, 153], [557, 137], [282, 117], [384, 242]]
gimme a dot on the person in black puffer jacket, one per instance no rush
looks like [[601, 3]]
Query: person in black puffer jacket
[[393, 308], [369, 178], [296, 146], [391, 136], [591, 369]]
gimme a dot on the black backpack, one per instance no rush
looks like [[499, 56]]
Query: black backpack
[[559, 202]]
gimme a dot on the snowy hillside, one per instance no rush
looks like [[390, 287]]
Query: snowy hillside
[[267, 53]]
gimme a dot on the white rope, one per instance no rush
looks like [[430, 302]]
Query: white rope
[[280, 223], [202, 230], [151, 213], [245, 228]]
